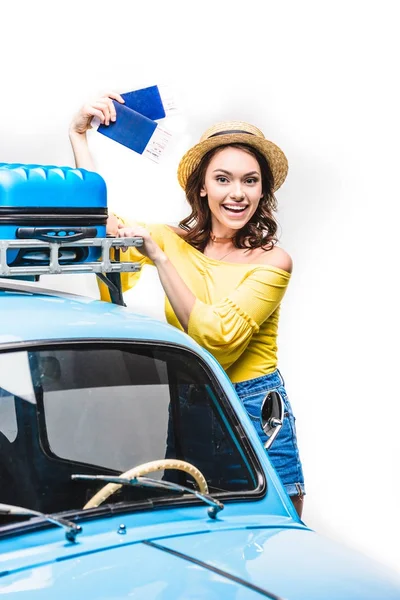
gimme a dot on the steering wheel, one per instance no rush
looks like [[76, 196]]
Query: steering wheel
[[144, 469]]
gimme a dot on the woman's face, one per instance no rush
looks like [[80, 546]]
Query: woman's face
[[233, 186]]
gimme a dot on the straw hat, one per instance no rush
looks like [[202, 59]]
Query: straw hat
[[228, 132]]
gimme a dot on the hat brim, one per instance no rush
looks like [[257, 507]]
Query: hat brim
[[276, 158]]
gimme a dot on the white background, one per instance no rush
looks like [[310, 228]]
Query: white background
[[320, 78]]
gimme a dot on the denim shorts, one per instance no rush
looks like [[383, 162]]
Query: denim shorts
[[284, 453]]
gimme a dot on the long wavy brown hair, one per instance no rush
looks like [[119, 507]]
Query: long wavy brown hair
[[259, 231]]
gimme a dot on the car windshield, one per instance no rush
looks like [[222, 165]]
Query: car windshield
[[104, 409]]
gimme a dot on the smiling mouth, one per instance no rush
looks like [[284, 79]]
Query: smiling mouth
[[237, 210]]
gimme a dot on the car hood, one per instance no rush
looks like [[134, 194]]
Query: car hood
[[295, 564], [275, 563]]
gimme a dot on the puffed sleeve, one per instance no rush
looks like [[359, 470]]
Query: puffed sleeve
[[226, 328], [128, 280]]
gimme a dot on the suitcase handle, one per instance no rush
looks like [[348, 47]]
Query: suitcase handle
[[61, 235]]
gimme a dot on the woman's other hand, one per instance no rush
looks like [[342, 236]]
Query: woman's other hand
[[102, 108], [150, 248], [113, 222]]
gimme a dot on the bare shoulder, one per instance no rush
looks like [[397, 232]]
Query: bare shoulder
[[276, 257]]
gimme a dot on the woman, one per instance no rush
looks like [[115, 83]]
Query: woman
[[222, 273]]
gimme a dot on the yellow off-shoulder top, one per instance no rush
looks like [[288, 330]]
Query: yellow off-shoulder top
[[236, 313]]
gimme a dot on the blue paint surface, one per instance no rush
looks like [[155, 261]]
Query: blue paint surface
[[256, 548], [191, 556]]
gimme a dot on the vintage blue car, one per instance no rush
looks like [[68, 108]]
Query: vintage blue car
[[130, 469]]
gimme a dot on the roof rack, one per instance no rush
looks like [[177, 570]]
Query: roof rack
[[105, 265], [106, 269]]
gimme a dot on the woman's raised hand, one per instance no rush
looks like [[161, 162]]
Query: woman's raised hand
[[102, 107]]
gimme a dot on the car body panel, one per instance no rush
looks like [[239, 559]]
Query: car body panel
[[233, 558], [49, 543], [292, 563], [77, 317], [136, 571], [256, 547]]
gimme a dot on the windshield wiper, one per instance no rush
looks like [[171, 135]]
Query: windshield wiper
[[215, 505], [71, 529]]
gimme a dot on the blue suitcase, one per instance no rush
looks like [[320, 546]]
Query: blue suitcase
[[50, 203]]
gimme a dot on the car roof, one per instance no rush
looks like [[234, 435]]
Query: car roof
[[28, 313]]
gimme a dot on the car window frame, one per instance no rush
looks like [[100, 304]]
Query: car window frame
[[229, 415]]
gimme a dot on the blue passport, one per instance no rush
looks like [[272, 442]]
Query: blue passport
[[131, 129], [146, 101], [135, 126]]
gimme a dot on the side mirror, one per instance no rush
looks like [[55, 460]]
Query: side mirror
[[271, 417]]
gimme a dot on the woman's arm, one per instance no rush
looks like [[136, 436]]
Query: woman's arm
[[181, 298], [179, 295], [83, 158], [226, 327], [104, 109]]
